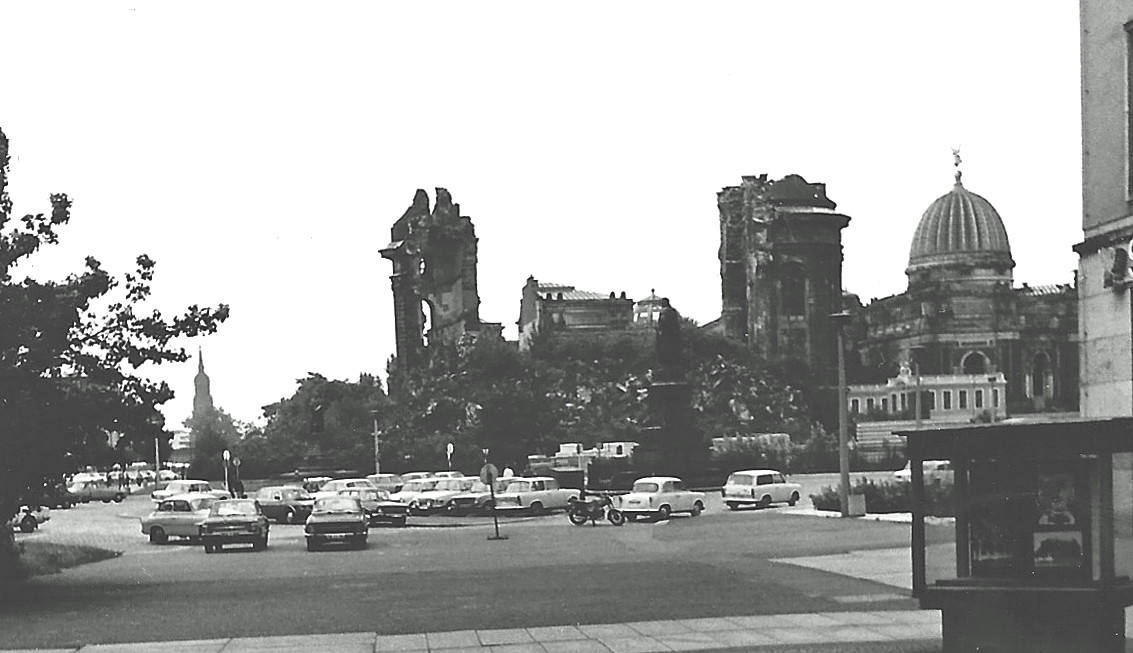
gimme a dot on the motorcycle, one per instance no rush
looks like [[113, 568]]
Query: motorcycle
[[594, 508]]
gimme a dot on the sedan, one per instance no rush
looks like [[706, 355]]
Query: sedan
[[337, 519], [378, 506], [289, 504], [239, 521], [659, 497], [178, 516], [437, 499]]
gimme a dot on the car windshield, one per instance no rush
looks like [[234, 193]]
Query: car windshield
[[739, 479], [451, 485], [337, 504], [226, 508], [296, 495], [647, 486]]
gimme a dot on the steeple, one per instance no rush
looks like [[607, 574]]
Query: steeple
[[202, 397]]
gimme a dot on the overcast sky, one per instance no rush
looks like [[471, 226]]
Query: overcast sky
[[260, 152]]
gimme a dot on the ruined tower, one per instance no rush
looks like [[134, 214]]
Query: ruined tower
[[434, 277], [781, 269]]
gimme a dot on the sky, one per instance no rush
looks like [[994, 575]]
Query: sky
[[261, 151]]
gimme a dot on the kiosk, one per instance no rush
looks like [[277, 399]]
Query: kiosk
[[1030, 547]]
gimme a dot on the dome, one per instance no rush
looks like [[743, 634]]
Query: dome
[[960, 228]]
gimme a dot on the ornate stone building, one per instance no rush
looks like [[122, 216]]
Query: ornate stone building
[[435, 296], [978, 342], [962, 315], [781, 269], [565, 310]]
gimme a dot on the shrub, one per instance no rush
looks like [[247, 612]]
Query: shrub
[[885, 497]]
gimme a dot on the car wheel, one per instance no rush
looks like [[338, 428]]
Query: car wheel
[[209, 548], [794, 499], [28, 524], [106, 500], [663, 513], [732, 505], [157, 535], [312, 545], [697, 508], [119, 497], [764, 501], [536, 508]]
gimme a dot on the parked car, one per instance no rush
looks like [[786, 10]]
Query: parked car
[[178, 516], [659, 497], [411, 489], [55, 495], [182, 486], [415, 476], [387, 482], [935, 471], [313, 483], [449, 473], [333, 487], [437, 499], [378, 506], [759, 488], [288, 504], [98, 490], [28, 518], [536, 494], [337, 519], [478, 499], [239, 521]]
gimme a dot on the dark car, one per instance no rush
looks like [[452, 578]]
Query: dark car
[[289, 504], [379, 509], [236, 521], [55, 495], [337, 519]]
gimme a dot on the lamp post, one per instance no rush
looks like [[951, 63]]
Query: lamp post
[[840, 320], [915, 354], [377, 446]]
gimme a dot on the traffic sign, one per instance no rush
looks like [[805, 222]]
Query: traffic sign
[[489, 474], [235, 462]]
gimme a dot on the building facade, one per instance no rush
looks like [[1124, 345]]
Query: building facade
[[1105, 287], [567, 311]]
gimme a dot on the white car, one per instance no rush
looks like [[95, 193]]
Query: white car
[[179, 486], [438, 498], [410, 489], [536, 495], [332, 487], [935, 471], [449, 474], [178, 516], [28, 519], [659, 497], [759, 488]]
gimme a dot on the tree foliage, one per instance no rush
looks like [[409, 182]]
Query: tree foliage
[[69, 357]]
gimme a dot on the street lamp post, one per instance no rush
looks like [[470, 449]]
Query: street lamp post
[[840, 320], [377, 447]]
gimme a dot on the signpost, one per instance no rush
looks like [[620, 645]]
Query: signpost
[[488, 476], [448, 454]]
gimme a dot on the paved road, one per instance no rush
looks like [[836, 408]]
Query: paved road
[[434, 578]]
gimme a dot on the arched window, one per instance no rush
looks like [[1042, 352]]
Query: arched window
[[974, 363], [792, 290], [1040, 364]]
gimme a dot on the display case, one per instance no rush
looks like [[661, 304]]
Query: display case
[[1019, 550]]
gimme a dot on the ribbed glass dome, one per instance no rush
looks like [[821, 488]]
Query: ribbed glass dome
[[960, 228]]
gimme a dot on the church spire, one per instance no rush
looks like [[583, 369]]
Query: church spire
[[200, 361], [202, 396]]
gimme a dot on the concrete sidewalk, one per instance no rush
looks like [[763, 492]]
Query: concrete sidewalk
[[766, 632]]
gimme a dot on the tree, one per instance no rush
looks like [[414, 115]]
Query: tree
[[69, 357]]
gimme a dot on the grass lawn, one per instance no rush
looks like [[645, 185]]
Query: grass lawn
[[38, 558]]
